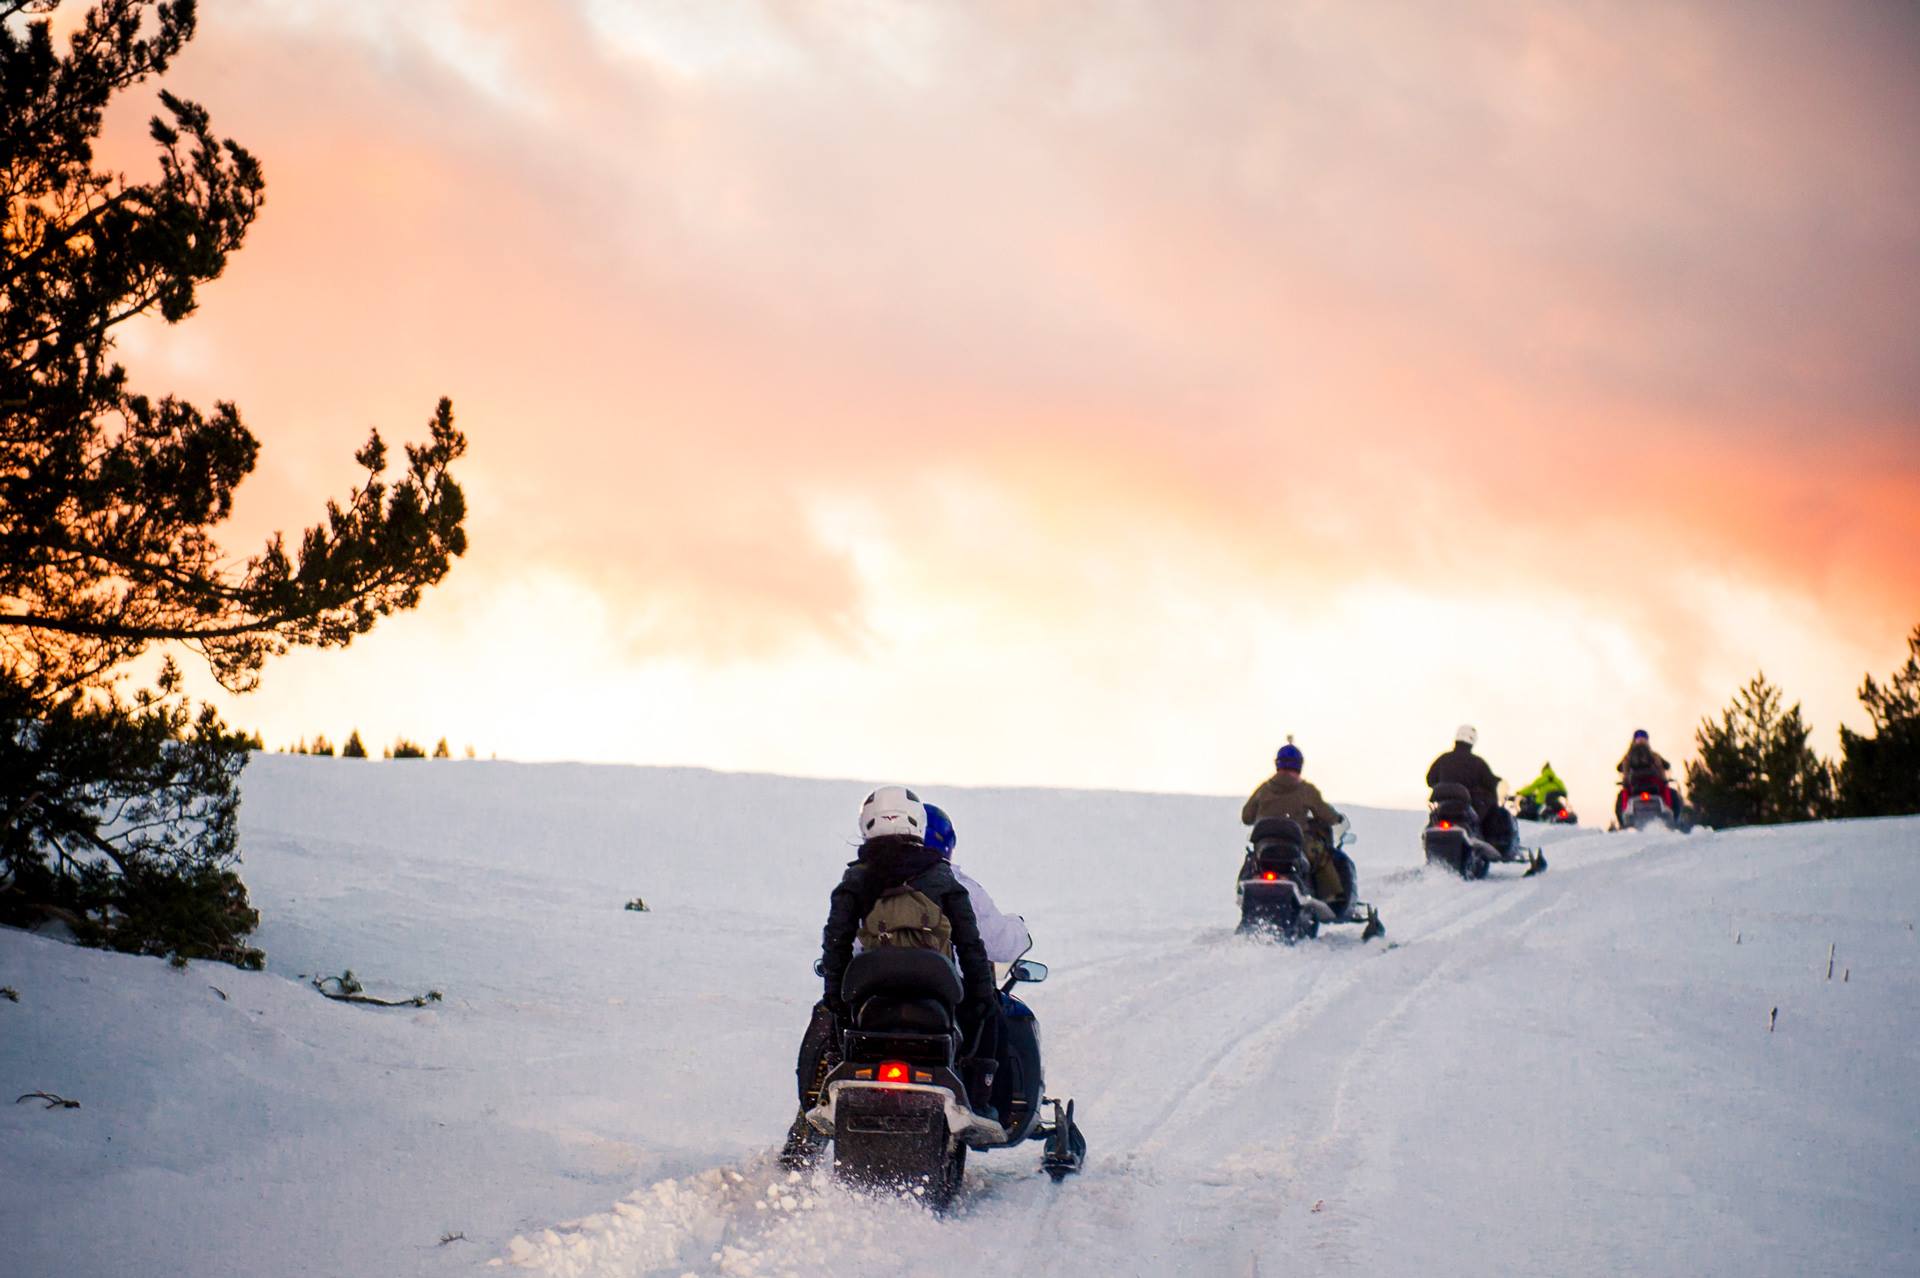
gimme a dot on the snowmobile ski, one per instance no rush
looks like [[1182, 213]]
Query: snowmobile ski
[[1066, 1150]]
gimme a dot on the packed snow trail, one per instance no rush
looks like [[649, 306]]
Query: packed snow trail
[[1566, 1074], [1516, 1082]]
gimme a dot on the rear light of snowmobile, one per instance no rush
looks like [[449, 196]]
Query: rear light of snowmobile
[[1446, 825], [1645, 795], [893, 1072], [1269, 876]]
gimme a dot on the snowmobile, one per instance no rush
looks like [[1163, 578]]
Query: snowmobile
[[1276, 887], [1644, 807], [1453, 836], [896, 1106], [1553, 812]]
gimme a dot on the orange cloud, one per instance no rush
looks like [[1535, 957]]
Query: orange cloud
[[759, 317]]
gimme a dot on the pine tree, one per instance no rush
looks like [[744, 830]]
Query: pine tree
[[1754, 766], [322, 746], [354, 748], [108, 498], [440, 751], [1880, 775]]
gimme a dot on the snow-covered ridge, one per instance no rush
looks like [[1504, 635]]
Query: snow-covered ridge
[[1571, 1074]]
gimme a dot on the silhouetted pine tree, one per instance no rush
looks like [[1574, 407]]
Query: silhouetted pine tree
[[403, 749], [1754, 767], [354, 748], [440, 751], [322, 746], [1880, 775], [120, 813]]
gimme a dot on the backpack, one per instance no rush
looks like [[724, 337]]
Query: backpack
[[906, 918], [1642, 771]]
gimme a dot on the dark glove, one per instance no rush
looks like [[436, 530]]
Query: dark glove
[[976, 1010]]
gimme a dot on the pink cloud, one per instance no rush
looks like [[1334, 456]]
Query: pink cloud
[[1323, 296]]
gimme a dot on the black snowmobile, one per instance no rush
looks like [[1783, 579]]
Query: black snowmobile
[[1276, 887], [1553, 812], [1454, 838], [896, 1105]]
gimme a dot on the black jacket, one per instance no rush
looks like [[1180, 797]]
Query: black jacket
[[889, 862], [1462, 766]]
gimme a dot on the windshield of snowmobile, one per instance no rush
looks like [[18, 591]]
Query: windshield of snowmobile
[[1003, 972]]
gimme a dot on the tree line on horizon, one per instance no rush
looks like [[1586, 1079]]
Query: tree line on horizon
[[355, 748], [1755, 766]]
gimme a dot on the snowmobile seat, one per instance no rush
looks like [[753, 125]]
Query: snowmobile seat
[[1450, 801], [901, 973], [1277, 830], [904, 1015], [1280, 858], [1650, 781]]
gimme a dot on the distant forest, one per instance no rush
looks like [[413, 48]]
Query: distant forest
[[1753, 765], [355, 748]]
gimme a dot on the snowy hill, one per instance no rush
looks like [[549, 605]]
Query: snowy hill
[[1571, 1074]]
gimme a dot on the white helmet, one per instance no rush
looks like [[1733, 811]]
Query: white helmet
[[893, 809], [1466, 735]]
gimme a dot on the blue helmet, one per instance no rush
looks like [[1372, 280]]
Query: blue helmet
[[940, 835], [1288, 758], [1640, 734]]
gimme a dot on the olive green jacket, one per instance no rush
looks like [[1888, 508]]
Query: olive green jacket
[[1285, 794]]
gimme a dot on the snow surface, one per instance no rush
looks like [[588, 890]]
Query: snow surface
[[1570, 1074]]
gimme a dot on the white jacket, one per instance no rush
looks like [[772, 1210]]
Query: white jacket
[[1005, 935]]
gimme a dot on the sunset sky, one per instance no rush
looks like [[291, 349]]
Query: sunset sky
[[1083, 393]]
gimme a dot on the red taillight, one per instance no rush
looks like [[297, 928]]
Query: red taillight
[[1645, 795], [1269, 876], [893, 1071], [1446, 825]]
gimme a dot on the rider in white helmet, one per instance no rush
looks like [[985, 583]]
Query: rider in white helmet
[[894, 853], [1462, 766]]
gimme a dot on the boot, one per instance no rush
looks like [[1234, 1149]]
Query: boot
[[803, 1144], [979, 1075]]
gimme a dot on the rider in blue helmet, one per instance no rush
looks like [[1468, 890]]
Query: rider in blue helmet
[[1005, 935], [1644, 768], [1286, 794], [940, 836]]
